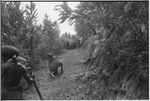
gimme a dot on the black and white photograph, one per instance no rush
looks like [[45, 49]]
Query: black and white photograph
[[75, 50]]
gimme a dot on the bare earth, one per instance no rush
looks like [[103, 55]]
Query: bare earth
[[60, 87]]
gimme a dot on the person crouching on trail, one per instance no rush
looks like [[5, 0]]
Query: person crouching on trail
[[11, 73], [54, 65]]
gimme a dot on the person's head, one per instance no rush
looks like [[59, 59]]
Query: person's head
[[50, 55], [8, 52]]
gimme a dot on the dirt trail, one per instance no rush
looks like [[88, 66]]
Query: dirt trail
[[59, 87]]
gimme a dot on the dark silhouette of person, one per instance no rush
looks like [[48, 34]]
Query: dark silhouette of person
[[54, 64], [11, 73]]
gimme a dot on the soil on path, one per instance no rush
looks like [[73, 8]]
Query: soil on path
[[60, 87]]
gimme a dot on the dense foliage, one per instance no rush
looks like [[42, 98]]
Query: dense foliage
[[115, 35], [20, 29], [12, 20], [121, 59]]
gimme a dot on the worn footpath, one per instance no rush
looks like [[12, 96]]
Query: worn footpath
[[62, 87]]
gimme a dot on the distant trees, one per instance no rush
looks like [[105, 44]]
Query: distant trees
[[50, 41], [69, 41]]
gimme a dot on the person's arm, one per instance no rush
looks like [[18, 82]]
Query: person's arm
[[26, 75]]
